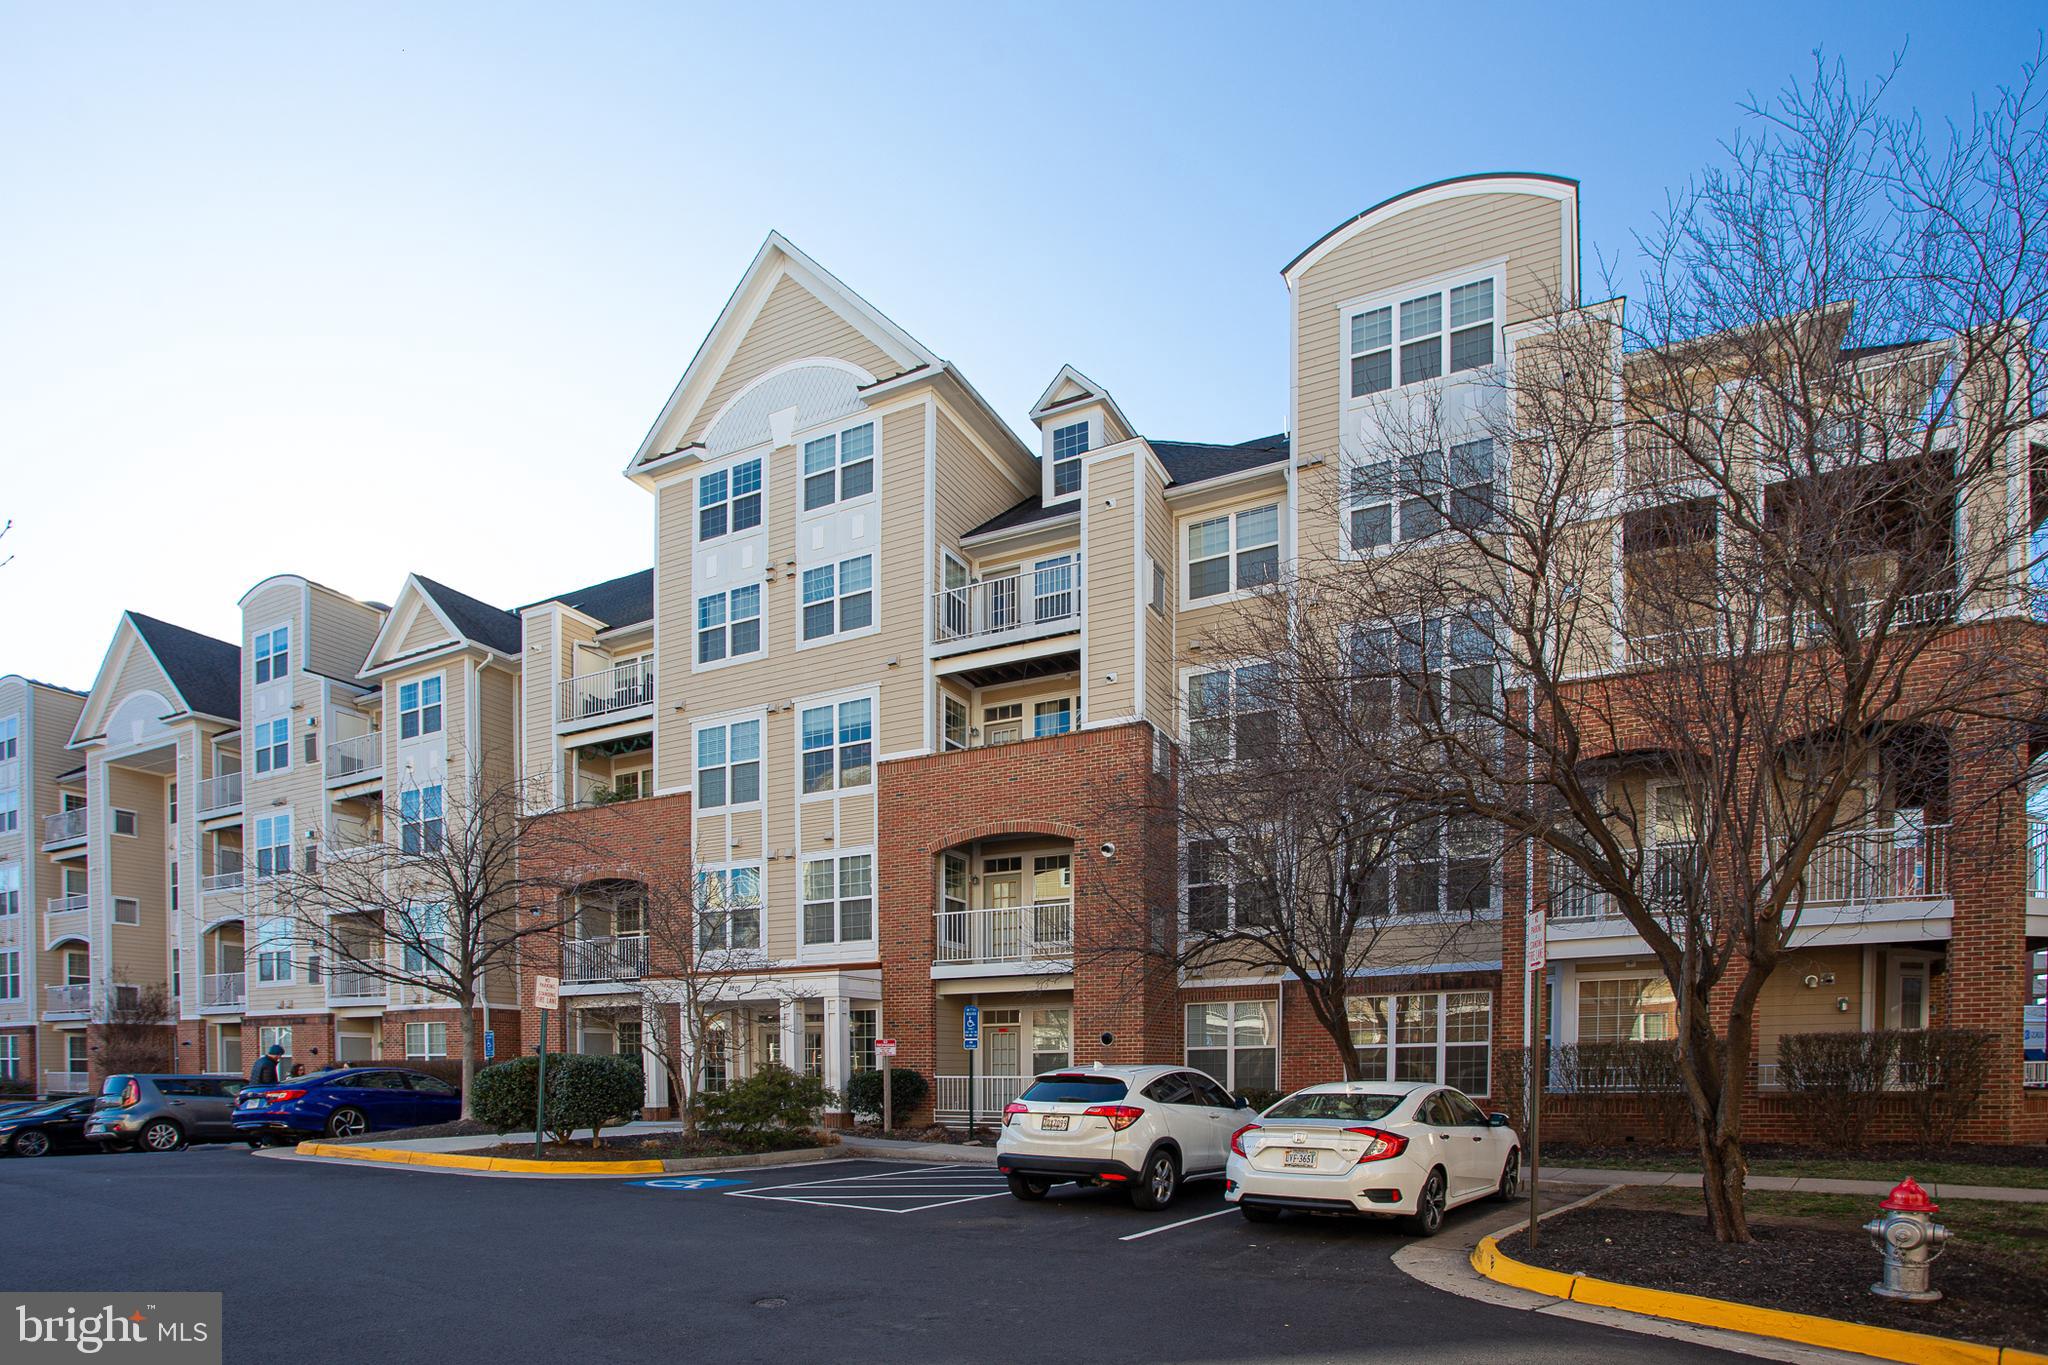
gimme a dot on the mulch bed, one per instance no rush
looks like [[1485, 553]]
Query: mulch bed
[[1961, 1153], [1797, 1265], [936, 1133], [460, 1128], [653, 1147]]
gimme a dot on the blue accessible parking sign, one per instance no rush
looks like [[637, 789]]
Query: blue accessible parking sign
[[970, 1027], [687, 1182]]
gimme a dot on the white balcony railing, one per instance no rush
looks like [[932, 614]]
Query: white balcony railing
[[2036, 1073], [223, 990], [1863, 866], [990, 1094], [220, 793], [224, 879], [2037, 857], [67, 999], [1042, 932], [67, 905], [604, 959], [64, 826], [356, 755], [66, 1082], [1044, 600], [354, 987], [618, 688]]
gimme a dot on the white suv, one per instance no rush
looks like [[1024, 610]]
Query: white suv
[[1140, 1128]]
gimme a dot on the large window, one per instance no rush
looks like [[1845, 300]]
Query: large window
[[1237, 1042], [1433, 339], [729, 765], [10, 889], [10, 738], [422, 823], [839, 597], [1052, 717], [841, 755], [273, 845], [839, 467], [1433, 1037], [729, 908], [278, 1035], [839, 899], [1626, 1009], [1231, 713], [273, 745], [1052, 1039], [1415, 496], [428, 948], [425, 1042], [274, 950], [1442, 865], [273, 654], [10, 1056], [863, 1026], [1069, 444], [10, 809], [1223, 892], [729, 500], [1233, 552], [10, 975], [419, 708], [729, 624]]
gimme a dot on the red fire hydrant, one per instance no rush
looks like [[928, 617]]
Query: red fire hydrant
[[1910, 1240]]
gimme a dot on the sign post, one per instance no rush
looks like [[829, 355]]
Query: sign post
[[970, 1038], [547, 991], [490, 1044], [885, 1058], [1534, 958]]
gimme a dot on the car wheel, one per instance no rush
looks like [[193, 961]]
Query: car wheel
[[161, 1135], [1027, 1188], [1258, 1213], [1156, 1187], [1510, 1177], [32, 1143], [1428, 1217], [347, 1123]]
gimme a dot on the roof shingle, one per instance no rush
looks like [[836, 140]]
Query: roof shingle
[[493, 627], [207, 672], [623, 601]]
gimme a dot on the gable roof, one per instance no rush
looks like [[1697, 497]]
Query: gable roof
[[474, 619], [1071, 388], [1024, 513], [207, 672], [624, 601], [1194, 461]]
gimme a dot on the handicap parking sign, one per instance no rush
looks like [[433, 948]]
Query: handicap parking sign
[[970, 1027], [687, 1182]]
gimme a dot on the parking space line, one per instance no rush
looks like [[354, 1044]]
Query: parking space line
[[908, 1190], [1169, 1227]]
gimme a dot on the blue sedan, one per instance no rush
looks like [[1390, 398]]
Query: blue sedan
[[346, 1102]]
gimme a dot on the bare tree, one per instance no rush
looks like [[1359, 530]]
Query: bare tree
[[140, 1033], [445, 902], [1752, 551]]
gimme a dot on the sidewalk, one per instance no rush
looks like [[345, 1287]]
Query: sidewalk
[[1690, 1180]]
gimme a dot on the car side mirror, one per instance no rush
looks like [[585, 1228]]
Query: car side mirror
[[1497, 1120], [1243, 1103]]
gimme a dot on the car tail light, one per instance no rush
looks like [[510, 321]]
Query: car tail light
[[280, 1096], [1379, 1144], [1120, 1116], [1237, 1138], [1011, 1110], [131, 1095]]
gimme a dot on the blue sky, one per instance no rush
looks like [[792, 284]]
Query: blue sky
[[356, 290]]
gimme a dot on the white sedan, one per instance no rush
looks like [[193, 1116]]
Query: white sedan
[[1374, 1148]]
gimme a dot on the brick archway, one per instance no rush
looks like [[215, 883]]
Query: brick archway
[[969, 832]]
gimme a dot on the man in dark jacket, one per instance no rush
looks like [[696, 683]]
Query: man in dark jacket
[[265, 1070]]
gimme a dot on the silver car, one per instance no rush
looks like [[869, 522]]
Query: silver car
[[161, 1113]]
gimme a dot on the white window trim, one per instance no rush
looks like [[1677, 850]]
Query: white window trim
[[10, 733], [135, 821], [1393, 298], [1442, 1044], [1093, 423], [873, 554], [1230, 1049], [262, 731], [1186, 737], [120, 901], [426, 1028], [726, 955], [290, 645], [837, 429], [840, 949], [873, 697], [252, 852], [398, 709], [723, 722], [727, 466], [1278, 502], [761, 636]]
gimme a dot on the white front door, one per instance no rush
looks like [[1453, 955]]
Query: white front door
[[1003, 894], [1906, 1001]]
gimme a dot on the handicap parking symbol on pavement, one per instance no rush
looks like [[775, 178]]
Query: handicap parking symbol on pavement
[[687, 1182]]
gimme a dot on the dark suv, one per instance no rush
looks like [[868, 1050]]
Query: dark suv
[[163, 1113]]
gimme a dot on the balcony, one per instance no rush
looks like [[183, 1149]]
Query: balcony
[[223, 991], [220, 794], [354, 757], [63, 828], [590, 696], [347, 837], [1871, 866], [72, 1002], [66, 1082], [604, 959], [1041, 934], [354, 988], [1025, 605], [224, 879], [63, 915], [989, 1093]]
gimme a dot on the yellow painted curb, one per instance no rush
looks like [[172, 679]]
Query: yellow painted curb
[[1885, 1343], [399, 1156]]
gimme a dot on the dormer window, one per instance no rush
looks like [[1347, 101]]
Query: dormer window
[[1069, 444], [1441, 332]]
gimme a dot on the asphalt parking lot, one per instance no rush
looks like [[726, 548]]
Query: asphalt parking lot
[[851, 1260]]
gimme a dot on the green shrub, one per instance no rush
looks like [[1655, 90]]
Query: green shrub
[[773, 1097], [907, 1090], [1260, 1100], [584, 1091]]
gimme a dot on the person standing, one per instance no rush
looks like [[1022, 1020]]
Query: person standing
[[265, 1070]]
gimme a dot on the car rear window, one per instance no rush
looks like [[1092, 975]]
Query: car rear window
[[1076, 1090], [113, 1085], [1350, 1108]]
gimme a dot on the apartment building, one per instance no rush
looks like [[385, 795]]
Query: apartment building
[[44, 969], [898, 696]]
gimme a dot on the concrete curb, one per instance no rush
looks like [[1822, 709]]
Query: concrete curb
[[1884, 1343], [500, 1165], [892, 1149]]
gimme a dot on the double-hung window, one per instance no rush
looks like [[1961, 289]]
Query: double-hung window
[[425, 1042], [1626, 1009], [273, 845], [729, 764], [1443, 864], [728, 908], [1433, 1038], [10, 809], [839, 899], [1232, 713], [729, 624], [10, 975], [419, 708], [1438, 332], [277, 1035], [10, 1056], [839, 467], [421, 820], [424, 938], [1069, 444], [729, 500], [273, 745], [1237, 1042], [10, 889], [1233, 552], [1415, 496], [10, 738], [1225, 892], [274, 950], [842, 755], [273, 654], [1372, 351], [839, 597]]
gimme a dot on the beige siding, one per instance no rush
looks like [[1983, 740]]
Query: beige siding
[[137, 871], [498, 724], [1159, 626], [425, 632], [1788, 1005], [970, 489], [139, 673], [674, 614], [791, 325], [1109, 559], [341, 633]]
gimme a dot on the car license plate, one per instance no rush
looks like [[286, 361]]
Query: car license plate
[[1299, 1159], [1053, 1123]]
